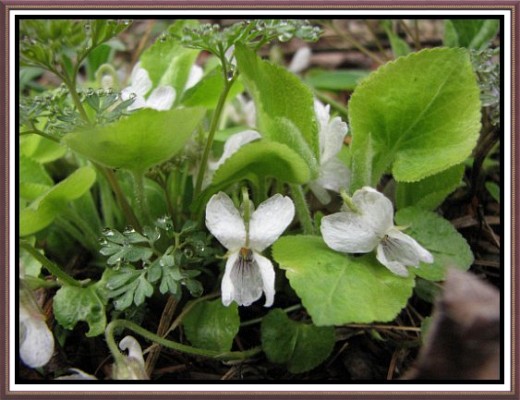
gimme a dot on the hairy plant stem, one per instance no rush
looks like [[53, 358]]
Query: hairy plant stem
[[54, 269], [302, 209], [120, 323], [212, 129]]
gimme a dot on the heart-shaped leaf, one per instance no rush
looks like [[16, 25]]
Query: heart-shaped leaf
[[415, 117], [429, 192], [301, 346], [138, 142], [210, 325], [338, 289], [42, 211], [278, 94], [449, 248]]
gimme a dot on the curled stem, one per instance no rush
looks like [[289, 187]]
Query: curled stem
[[302, 209], [121, 323]]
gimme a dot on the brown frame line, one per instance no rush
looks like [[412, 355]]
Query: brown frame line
[[6, 6]]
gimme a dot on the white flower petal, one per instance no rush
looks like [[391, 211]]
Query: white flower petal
[[36, 340], [377, 210], [320, 192], [334, 175], [331, 139], [266, 269], [134, 348], [234, 143], [244, 278], [140, 81], [269, 221], [225, 222], [195, 76], [393, 265], [76, 375], [139, 101], [411, 252], [227, 289], [322, 114], [161, 99], [347, 232], [301, 60], [398, 251]]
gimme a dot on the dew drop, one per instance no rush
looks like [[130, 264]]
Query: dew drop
[[108, 232]]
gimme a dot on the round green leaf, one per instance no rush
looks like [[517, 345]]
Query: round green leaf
[[429, 192], [210, 325], [263, 159], [448, 247], [416, 116], [42, 211], [278, 94], [338, 289], [301, 346], [138, 142]]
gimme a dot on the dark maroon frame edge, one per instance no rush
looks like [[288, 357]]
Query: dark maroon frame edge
[[199, 6]]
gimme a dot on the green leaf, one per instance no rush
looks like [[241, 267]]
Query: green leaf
[[34, 179], [278, 94], [263, 159], [207, 92], [138, 142], [470, 33], [41, 149], [301, 346], [338, 289], [168, 62], [399, 46], [210, 325], [415, 116], [254, 162], [429, 192], [335, 80], [448, 247], [72, 304], [494, 190], [42, 211]]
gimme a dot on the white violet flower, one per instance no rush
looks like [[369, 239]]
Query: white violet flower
[[333, 174], [246, 234], [366, 223], [161, 98], [36, 340], [133, 367]]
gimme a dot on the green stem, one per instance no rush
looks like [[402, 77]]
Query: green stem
[[89, 235], [38, 132], [54, 269], [121, 199], [140, 196], [71, 85], [186, 310], [212, 129], [120, 323], [302, 209], [258, 320]]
